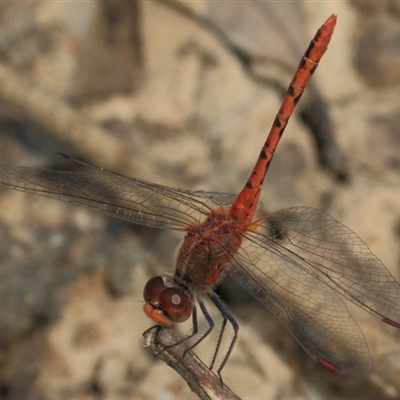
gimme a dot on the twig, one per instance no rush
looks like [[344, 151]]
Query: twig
[[160, 341]]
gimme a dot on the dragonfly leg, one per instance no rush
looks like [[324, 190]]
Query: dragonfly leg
[[219, 341], [227, 317], [195, 329], [211, 326]]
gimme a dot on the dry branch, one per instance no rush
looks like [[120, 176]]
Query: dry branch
[[202, 381]]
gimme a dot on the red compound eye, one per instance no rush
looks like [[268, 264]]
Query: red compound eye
[[165, 305], [153, 288], [177, 306]]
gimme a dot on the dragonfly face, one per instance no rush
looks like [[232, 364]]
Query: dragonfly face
[[166, 303]]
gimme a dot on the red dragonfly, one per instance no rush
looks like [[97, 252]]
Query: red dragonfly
[[296, 261]]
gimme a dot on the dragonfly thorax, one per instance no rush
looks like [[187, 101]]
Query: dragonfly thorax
[[208, 249]]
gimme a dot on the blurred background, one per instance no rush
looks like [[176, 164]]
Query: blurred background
[[183, 94]]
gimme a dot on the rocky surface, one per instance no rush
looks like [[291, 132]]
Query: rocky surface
[[203, 83]]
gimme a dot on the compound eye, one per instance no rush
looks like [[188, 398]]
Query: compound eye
[[153, 288], [177, 306]]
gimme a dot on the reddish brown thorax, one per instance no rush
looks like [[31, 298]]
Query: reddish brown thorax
[[207, 250]]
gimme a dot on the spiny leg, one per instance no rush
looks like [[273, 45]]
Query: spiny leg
[[195, 330], [211, 326], [229, 317], [219, 341]]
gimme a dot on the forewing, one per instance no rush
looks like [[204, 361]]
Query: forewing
[[130, 199], [335, 255], [292, 262]]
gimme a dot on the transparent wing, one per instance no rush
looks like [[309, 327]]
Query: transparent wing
[[292, 262], [130, 199]]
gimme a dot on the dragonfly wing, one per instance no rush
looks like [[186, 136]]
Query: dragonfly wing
[[130, 199], [315, 315], [295, 260], [292, 261], [334, 254], [212, 199]]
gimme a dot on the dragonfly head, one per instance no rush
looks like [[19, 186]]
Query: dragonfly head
[[165, 303]]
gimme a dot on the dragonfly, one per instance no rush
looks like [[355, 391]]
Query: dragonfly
[[298, 262]]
